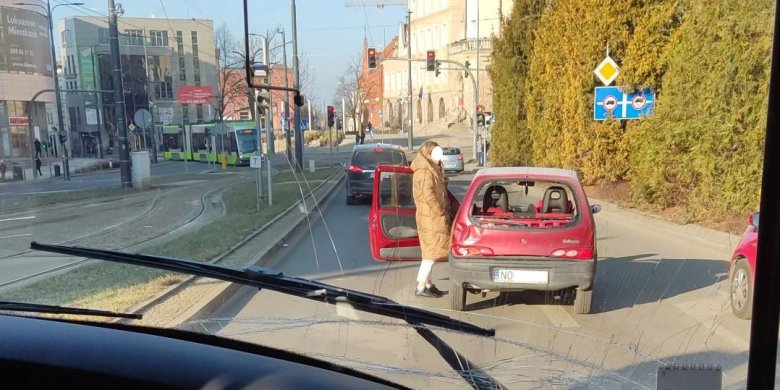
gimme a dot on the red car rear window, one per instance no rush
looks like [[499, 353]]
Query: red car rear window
[[524, 204]]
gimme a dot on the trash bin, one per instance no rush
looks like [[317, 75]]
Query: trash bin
[[57, 170], [18, 173]]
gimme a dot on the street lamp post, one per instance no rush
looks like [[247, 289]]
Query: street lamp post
[[57, 97]]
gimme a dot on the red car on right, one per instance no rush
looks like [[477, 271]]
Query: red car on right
[[742, 270]]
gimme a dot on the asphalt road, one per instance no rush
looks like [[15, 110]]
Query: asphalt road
[[661, 298]]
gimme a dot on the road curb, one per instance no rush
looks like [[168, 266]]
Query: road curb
[[208, 304]]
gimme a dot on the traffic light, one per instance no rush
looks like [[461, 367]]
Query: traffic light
[[437, 71], [430, 63], [371, 58], [63, 137], [331, 116], [480, 119], [468, 65], [263, 102]]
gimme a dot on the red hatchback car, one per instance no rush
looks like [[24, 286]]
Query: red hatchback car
[[517, 229], [741, 274]]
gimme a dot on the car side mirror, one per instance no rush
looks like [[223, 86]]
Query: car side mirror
[[595, 208], [753, 219]]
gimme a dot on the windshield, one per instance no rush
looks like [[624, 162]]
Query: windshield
[[607, 158], [247, 142], [369, 159]]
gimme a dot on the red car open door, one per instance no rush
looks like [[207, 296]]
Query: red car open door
[[392, 228]]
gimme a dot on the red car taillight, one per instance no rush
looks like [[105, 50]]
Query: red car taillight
[[470, 250], [573, 253], [460, 158], [355, 168]]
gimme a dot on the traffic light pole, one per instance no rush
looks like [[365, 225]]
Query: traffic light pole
[[476, 93], [119, 99], [297, 87], [410, 145]]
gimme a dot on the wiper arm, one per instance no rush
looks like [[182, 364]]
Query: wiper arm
[[265, 278], [52, 309]]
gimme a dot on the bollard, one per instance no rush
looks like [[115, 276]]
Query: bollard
[[311, 166], [223, 160]]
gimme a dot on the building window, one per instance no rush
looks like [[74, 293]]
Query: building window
[[163, 89], [195, 58], [180, 49], [103, 37], [134, 37], [185, 113], [158, 38], [199, 113]]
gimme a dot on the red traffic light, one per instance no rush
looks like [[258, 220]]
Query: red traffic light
[[330, 109], [371, 51], [479, 108], [431, 54]]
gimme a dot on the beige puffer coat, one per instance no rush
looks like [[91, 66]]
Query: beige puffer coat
[[430, 197]]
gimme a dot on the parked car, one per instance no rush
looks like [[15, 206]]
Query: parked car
[[517, 229], [452, 160], [741, 270], [360, 171]]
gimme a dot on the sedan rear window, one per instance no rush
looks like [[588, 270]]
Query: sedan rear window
[[451, 151], [524, 204], [369, 159]]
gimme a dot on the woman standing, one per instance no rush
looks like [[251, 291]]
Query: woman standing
[[433, 224]]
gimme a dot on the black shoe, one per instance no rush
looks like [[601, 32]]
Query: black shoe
[[426, 292], [435, 290]]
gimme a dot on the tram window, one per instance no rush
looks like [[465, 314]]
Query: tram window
[[171, 141], [199, 141], [233, 146]]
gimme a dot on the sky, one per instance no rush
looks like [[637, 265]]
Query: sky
[[329, 33]]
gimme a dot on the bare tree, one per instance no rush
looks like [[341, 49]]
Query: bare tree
[[354, 91], [234, 93]]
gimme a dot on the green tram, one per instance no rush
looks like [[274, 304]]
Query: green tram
[[237, 140]]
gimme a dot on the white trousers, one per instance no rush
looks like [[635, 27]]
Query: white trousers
[[426, 266]]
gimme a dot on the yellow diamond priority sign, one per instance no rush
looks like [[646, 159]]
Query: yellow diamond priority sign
[[607, 71]]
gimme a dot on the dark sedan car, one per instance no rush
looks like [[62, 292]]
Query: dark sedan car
[[360, 171]]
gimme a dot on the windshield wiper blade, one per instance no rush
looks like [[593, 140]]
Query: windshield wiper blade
[[265, 278], [53, 309]]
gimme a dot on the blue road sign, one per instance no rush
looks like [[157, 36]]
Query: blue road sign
[[612, 102]]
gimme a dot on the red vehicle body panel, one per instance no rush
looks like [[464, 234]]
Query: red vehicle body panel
[[747, 249], [376, 236]]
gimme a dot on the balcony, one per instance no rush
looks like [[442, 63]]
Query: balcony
[[466, 45]]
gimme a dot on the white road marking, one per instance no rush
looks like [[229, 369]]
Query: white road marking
[[16, 235], [17, 218], [559, 317]]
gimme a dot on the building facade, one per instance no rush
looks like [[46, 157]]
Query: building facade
[[459, 31], [25, 70], [169, 68]]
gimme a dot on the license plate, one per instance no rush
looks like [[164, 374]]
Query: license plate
[[520, 276], [371, 176]]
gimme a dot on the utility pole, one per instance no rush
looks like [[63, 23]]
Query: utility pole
[[286, 106], [57, 95], [151, 103], [410, 145], [297, 86], [119, 99]]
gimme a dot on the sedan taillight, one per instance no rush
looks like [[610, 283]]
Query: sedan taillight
[[355, 168], [460, 157]]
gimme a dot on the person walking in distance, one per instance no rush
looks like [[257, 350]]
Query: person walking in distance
[[37, 144], [38, 165], [362, 134], [2, 170], [429, 189]]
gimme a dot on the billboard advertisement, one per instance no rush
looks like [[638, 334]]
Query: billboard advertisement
[[24, 42], [87, 70], [192, 94]]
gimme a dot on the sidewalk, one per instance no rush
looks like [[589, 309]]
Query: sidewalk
[[77, 166]]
